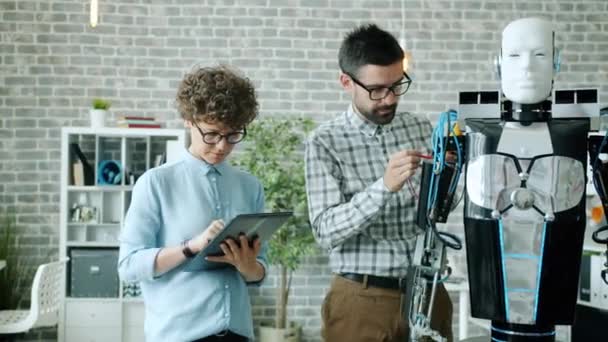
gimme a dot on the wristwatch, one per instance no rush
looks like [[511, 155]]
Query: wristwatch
[[186, 249]]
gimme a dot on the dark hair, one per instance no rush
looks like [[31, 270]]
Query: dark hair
[[368, 44], [217, 94]]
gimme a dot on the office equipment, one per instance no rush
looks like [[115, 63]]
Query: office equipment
[[261, 225]]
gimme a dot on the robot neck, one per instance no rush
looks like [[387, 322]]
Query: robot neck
[[526, 113]]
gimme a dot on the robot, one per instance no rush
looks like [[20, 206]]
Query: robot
[[524, 159]]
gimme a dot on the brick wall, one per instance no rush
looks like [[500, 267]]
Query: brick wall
[[53, 64]]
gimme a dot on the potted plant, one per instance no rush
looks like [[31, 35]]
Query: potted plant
[[273, 153], [14, 276], [99, 112]]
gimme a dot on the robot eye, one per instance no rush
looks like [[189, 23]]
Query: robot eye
[[540, 54], [514, 55]]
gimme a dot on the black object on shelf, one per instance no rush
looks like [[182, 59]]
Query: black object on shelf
[[88, 174]]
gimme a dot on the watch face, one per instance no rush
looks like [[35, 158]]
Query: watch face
[[186, 250]]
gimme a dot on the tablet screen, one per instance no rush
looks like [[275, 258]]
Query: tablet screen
[[261, 225]]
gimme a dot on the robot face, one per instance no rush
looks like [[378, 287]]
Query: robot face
[[527, 61]]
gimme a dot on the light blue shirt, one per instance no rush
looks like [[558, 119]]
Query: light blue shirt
[[173, 203]]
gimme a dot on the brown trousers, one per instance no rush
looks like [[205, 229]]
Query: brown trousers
[[356, 313]]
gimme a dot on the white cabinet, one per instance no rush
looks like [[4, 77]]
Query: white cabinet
[[98, 170], [133, 313], [93, 334]]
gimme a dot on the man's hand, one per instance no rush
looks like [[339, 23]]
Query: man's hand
[[202, 240], [400, 168], [242, 257]]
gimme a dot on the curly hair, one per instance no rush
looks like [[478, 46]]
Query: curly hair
[[217, 95]]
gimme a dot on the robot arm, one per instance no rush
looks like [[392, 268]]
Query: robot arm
[[440, 179], [437, 190]]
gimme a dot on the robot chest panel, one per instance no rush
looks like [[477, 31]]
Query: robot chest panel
[[524, 173]]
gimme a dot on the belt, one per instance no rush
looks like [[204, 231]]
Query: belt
[[376, 281], [225, 335]]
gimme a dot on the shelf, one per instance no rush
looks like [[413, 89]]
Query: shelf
[[91, 221], [594, 247], [84, 224], [92, 299], [123, 132], [91, 244], [100, 188], [104, 299]]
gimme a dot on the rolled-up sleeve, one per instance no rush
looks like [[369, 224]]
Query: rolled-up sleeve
[[138, 239]]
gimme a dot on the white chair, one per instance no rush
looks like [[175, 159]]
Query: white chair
[[45, 302]]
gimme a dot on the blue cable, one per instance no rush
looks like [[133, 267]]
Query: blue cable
[[437, 143], [448, 119]]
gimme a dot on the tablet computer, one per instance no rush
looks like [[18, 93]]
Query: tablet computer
[[259, 225]]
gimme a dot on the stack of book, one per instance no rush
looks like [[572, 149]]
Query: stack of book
[[138, 122]]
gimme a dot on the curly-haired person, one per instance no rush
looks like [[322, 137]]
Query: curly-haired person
[[178, 208]]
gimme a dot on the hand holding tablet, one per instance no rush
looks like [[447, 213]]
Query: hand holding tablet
[[252, 226]]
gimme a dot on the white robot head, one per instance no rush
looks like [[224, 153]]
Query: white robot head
[[528, 60]]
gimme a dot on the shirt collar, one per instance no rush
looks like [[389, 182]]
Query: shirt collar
[[205, 167], [366, 127]]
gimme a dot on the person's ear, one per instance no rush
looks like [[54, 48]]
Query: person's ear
[[346, 82], [187, 123]]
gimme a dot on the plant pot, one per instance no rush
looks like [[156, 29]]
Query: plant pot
[[98, 117], [291, 334]]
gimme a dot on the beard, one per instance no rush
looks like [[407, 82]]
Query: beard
[[381, 115]]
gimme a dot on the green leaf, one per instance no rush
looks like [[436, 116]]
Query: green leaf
[[14, 276], [273, 152], [101, 104]]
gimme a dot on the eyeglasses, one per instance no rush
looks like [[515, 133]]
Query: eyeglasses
[[212, 138], [379, 93]]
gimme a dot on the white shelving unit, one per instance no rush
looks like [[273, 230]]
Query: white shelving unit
[[91, 219]]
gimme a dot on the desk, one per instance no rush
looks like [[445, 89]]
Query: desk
[[2, 264]]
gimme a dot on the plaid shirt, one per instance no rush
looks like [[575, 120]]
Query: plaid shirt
[[366, 228]]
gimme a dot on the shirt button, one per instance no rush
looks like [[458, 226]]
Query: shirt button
[[227, 286], [218, 207]]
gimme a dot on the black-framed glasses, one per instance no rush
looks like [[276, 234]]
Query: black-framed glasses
[[212, 138], [379, 93]]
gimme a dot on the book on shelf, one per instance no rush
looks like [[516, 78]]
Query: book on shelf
[[137, 122], [77, 173], [160, 159], [133, 125], [136, 118]]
